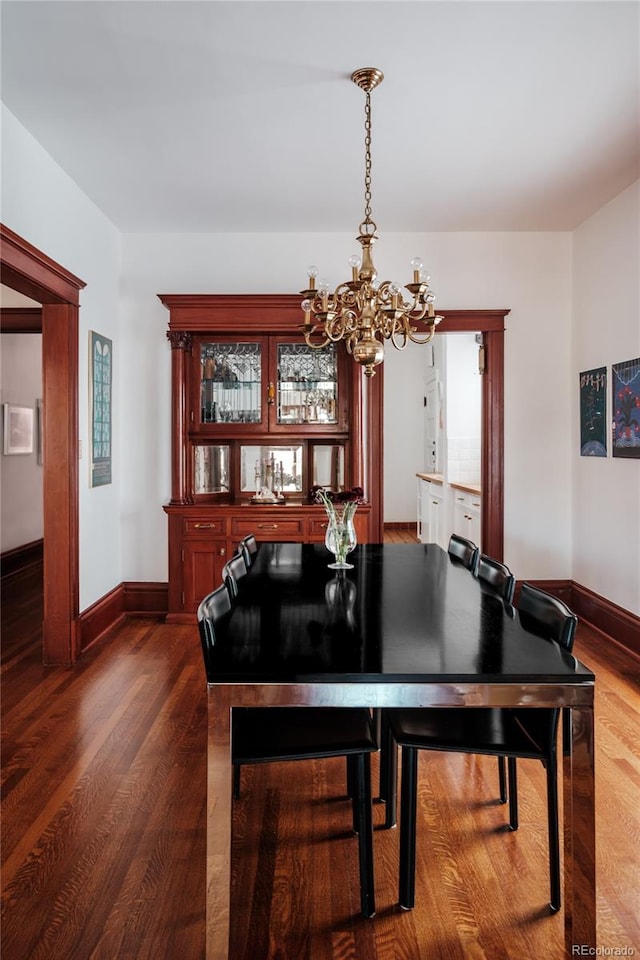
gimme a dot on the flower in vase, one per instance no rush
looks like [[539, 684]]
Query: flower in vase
[[321, 495], [340, 509]]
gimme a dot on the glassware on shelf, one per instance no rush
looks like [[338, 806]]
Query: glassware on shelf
[[307, 384], [230, 387], [271, 471]]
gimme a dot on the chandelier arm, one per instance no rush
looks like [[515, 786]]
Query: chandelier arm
[[425, 337], [314, 346]]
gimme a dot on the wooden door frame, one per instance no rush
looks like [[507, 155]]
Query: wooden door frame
[[491, 324], [27, 270]]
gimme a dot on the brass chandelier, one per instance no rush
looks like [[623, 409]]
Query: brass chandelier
[[362, 311]]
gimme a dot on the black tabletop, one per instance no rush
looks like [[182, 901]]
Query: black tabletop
[[404, 613]]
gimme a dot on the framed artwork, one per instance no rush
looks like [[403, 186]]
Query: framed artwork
[[18, 429], [100, 380], [625, 393], [593, 422]]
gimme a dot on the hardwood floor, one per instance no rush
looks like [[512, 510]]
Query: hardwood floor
[[103, 810]]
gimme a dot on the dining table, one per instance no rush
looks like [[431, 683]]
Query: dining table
[[405, 626]]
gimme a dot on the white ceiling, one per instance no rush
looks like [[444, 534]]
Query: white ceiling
[[240, 116]]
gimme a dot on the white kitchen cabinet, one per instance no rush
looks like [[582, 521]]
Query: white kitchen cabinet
[[436, 514], [467, 509], [431, 506]]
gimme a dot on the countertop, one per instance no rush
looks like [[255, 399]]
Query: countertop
[[468, 488], [433, 477], [473, 488]]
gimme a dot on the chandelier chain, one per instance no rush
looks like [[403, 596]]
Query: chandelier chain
[[367, 162]]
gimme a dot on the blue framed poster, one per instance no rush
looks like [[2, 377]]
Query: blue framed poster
[[100, 379], [593, 423], [625, 387]]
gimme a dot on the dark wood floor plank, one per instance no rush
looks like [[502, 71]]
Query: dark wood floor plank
[[104, 820]]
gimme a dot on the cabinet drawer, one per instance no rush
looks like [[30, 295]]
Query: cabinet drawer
[[318, 528], [197, 528], [269, 527]]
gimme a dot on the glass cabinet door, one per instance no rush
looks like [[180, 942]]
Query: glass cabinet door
[[230, 382], [307, 385]]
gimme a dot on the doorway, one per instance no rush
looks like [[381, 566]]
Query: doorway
[[491, 324], [31, 272]]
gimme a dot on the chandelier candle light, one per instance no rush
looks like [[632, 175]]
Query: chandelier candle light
[[361, 311]]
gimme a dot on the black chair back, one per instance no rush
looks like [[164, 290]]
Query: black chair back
[[232, 572], [213, 612], [248, 547], [546, 616], [464, 550], [497, 576]]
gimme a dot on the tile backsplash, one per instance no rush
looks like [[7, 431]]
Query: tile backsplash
[[463, 459]]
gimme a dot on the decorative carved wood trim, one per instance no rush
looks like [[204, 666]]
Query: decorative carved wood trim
[[622, 626], [20, 558], [142, 599], [60, 481], [254, 313], [375, 452], [102, 616], [32, 273], [492, 454], [562, 589], [21, 320], [180, 351], [132, 598]]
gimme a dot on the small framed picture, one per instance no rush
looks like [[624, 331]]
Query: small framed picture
[[18, 429]]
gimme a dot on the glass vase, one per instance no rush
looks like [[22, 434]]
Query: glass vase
[[340, 538]]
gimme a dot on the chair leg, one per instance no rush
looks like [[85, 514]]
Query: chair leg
[[554, 835], [389, 777], [502, 780], [376, 722], [513, 793], [236, 781], [408, 807], [364, 821], [383, 733], [352, 787], [350, 775]]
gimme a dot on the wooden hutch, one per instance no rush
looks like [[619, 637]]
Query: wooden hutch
[[256, 414]]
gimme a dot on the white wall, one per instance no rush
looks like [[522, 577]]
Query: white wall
[[21, 515], [606, 330], [43, 205]]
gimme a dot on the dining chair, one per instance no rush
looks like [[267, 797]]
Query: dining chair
[[504, 732], [273, 734], [233, 572], [467, 553], [248, 547], [463, 550], [496, 577]]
